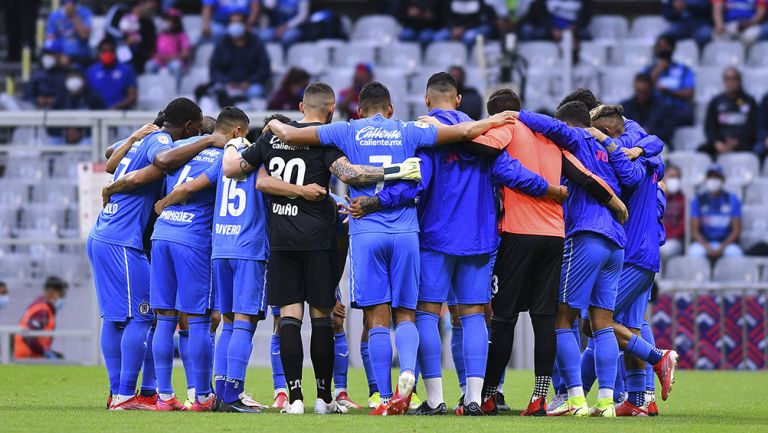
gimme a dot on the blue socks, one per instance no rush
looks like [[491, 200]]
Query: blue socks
[[278, 376], [200, 353], [340, 361], [162, 349], [380, 348], [238, 355], [588, 375], [111, 336], [365, 354], [457, 353], [430, 345], [636, 386], [133, 347], [647, 335], [220, 359], [621, 373], [568, 356], [641, 349], [475, 344], [148, 377], [189, 375], [407, 343], [606, 354]]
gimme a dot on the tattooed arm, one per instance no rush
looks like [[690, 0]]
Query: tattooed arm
[[362, 206], [354, 174], [131, 181]]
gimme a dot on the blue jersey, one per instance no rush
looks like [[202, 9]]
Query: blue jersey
[[717, 213], [583, 213], [189, 223], [635, 136], [377, 141], [661, 208], [239, 217], [124, 218], [642, 227]]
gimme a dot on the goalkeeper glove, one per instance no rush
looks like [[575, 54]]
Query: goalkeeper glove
[[410, 169]]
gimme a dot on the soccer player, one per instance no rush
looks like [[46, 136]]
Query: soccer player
[[120, 266], [302, 264], [592, 260], [384, 247]]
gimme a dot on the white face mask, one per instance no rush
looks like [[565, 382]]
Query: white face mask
[[713, 185], [4, 300], [673, 185], [236, 30], [48, 61], [74, 84]]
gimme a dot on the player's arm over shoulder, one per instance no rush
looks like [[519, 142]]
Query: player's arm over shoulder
[[293, 136], [355, 174], [182, 192]]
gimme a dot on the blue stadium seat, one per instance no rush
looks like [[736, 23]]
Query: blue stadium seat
[[155, 90], [594, 53], [203, 55], [636, 53], [193, 78], [723, 53], [309, 57], [758, 55], [709, 82], [757, 192], [354, 53], [540, 54], [755, 81], [403, 55], [693, 165], [648, 27], [687, 52], [380, 28], [616, 83], [193, 27], [688, 138], [276, 57]]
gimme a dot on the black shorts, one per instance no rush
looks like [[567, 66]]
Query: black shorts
[[302, 276], [526, 276]]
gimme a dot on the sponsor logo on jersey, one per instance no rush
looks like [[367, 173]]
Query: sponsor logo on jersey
[[144, 308], [376, 136]]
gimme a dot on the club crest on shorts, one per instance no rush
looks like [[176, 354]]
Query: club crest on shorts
[[144, 308]]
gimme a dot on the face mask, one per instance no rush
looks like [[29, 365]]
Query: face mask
[[163, 26], [74, 84], [713, 185], [673, 185], [58, 304], [108, 58], [4, 300], [236, 30], [48, 61], [664, 54]]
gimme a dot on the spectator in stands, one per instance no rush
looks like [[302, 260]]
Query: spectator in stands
[[761, 148], [715, 219], [471, 101], [41, 316], [240, 63], [674, 82], [674, 216], [47, 83], [420, 20], [216, 16], [348, 97], [172, 48], [648, 109], [20, 26], [549, 19], [688, 19], [77, 97], [70, 28], [464, 20], [5, 298], [286, 18], [115, 82], [132, 28], [731, 122], [738, 19], [291, 91]]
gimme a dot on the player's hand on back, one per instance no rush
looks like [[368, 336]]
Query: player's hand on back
[[598, 134], [558, 193], [633, 153], [410, 169], [218, 140], [313, 192], [618, 209], [504, 118], [105, 196], [339, 310], [430, 120], [144, 131]]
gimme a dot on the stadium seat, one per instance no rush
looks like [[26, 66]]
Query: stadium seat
[[755, 81], [396, 81], [403, 55], [193, 27], [538, 94], [709, 82], [736, 269], [687, 53], [758, 55], [339, 79], [65, 166], [381, 28], [616, 83], [593, 53], [335, 49], [632, 52], [491, 51], [735, 188], [354, 53], [647, 27], [276, 57], [609, 27], [203, 55], [693, 165], [193, 78], [723, 53], [98, 30], [754, 220], [58, 193], [8, 220], [39, 221], [687, 269], [540, 54], [740, 167], [688, 138], [308, 57], [757, 192], [16, 266], [155, 90], [24, 168], [445, 54]]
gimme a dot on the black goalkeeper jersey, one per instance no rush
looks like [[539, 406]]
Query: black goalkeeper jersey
[[296, 223]]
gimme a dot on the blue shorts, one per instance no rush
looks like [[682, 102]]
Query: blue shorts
[[240, 285], [590, 273], [181, 278], [384, 269], [121, 277], [632, 298], [461, 279]]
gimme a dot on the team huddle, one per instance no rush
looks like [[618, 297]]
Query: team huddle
[[558, 216]]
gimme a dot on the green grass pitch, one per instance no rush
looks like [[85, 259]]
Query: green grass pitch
[[71, 399]]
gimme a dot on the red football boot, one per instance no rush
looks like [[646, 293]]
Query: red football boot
[[665, 370], [628, 409], [537, 407]]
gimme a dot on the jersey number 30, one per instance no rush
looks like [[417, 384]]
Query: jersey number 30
[[285, 170]]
